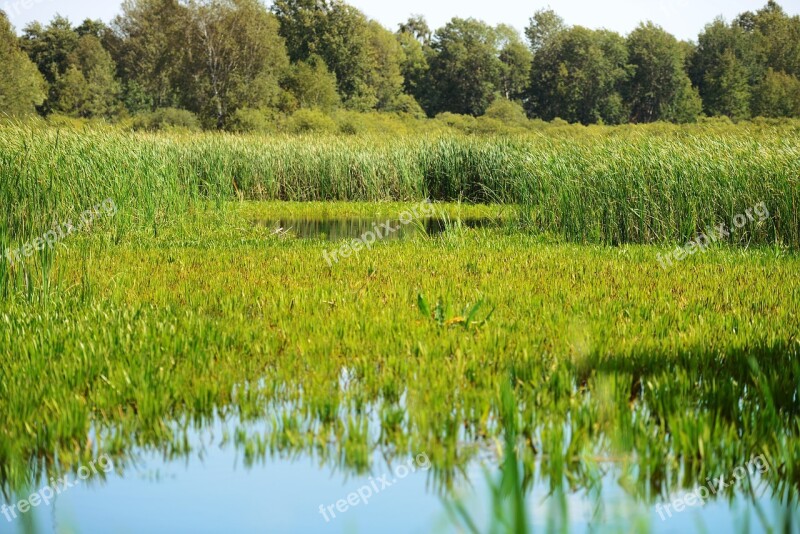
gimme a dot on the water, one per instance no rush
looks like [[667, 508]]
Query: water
[[213, 489], [342, 229]]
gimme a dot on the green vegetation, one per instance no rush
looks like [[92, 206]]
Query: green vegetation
[[238, 65], [646, 184], [679, 375], [553, 336], [21, 86], [181, 308]]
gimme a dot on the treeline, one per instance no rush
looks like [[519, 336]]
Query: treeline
[[239, 65]]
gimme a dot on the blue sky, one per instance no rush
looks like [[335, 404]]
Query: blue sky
[[683, 18]]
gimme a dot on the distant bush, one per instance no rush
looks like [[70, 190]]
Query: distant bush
[[773, 122], [166, 119], [502, 118], [248, 120], [463, 123], [507, 112], [376, 123], [408, 105], [351, 122], [311, 121], [489, 124]]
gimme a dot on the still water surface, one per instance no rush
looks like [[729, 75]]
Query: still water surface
[[212, 490], [341, 229]]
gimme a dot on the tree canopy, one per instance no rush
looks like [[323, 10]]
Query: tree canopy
[[659, 87], [22, 87], [578, 76], [224, 61]]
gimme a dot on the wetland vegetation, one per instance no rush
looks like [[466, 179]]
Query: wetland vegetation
[[259, 260], [551, 337]]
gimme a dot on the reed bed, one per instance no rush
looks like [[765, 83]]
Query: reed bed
[[623, 185]]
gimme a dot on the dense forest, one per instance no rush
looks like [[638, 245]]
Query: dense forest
[[240, 65]]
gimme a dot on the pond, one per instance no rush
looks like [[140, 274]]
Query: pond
[[217, 485], [391, 229], [218, 378]]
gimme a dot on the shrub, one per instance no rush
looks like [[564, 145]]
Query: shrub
[[311, 120], [65, 121], [408, 105], [719, 120], [249, 120], [166, 119], [351, 122], [464, 123], [507, 111]]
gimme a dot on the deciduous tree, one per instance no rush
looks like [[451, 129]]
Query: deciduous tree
[[659, 88], [542, 28], [387, 59], [152, 52], [515, 67], [337, 32], [236, 58], [725, 67], [22, 87], [313, 85], [89, 88], [465, 70], [778, 95], [578, 76]]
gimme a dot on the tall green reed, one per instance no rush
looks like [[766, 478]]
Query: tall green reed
[[626, 186]]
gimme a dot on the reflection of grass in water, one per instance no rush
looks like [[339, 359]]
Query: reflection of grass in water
[[610, 357], [507, 494]]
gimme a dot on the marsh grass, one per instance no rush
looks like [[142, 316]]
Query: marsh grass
[[215, 315], [624, 185], [180, 309]]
